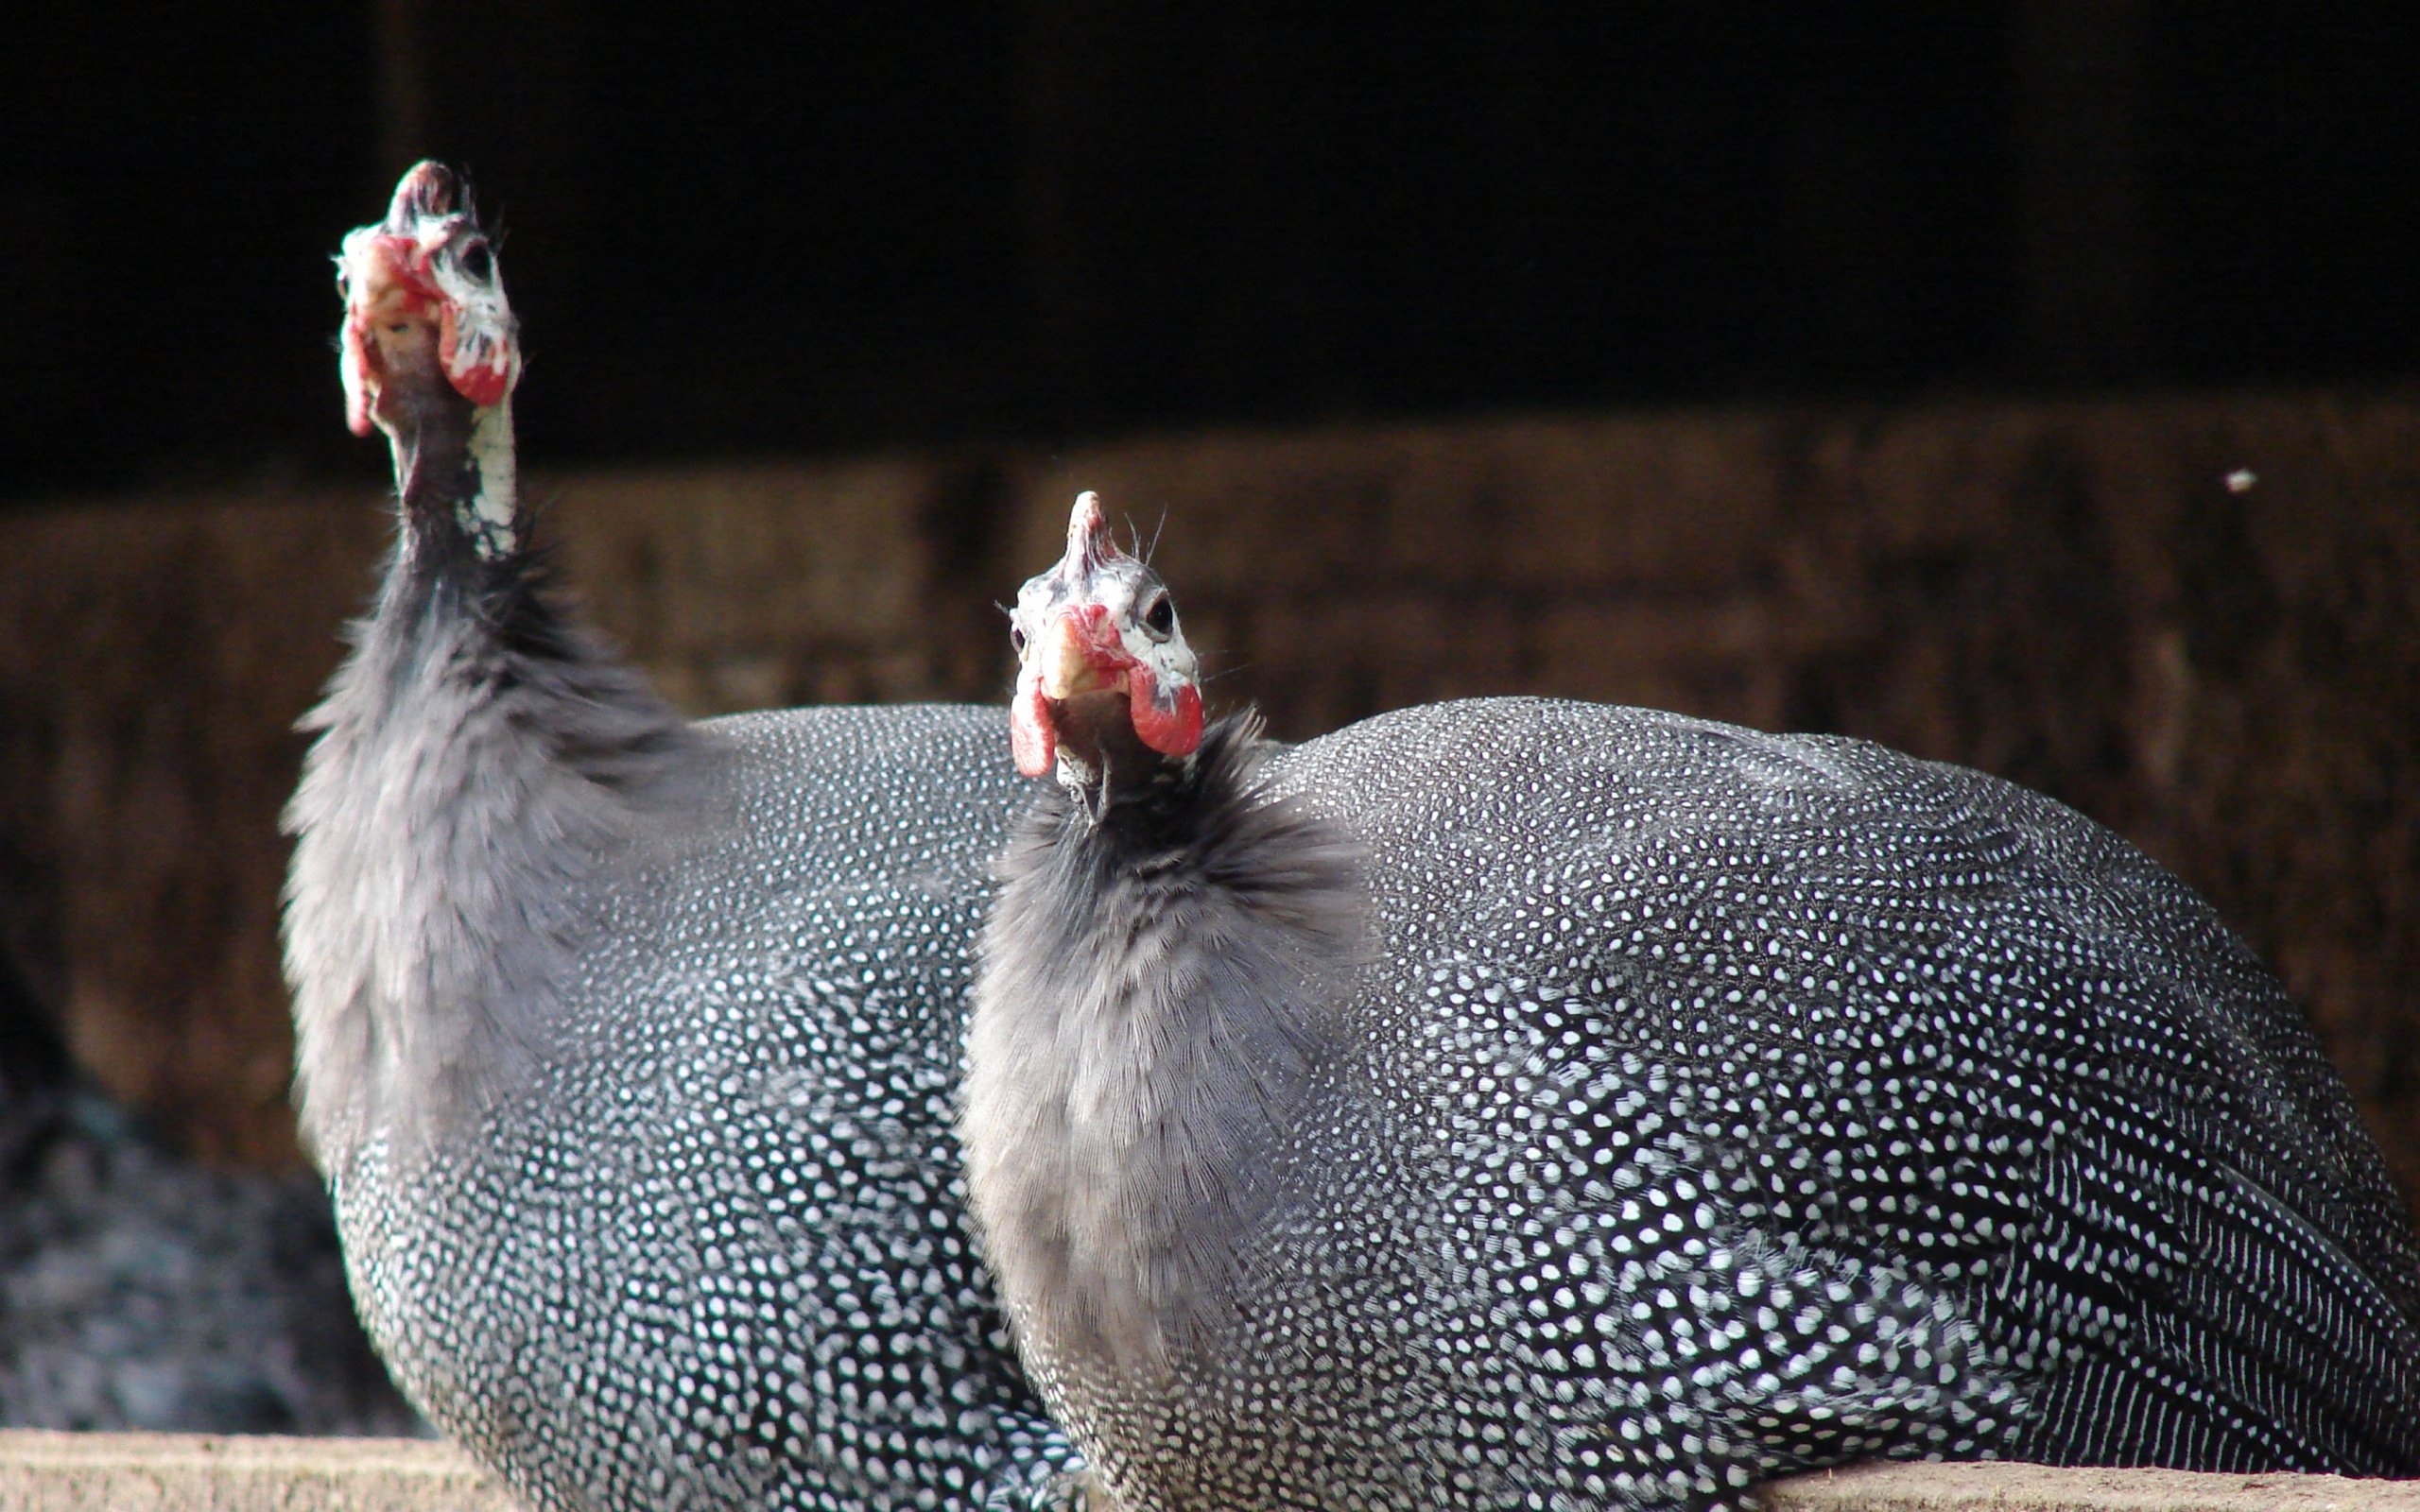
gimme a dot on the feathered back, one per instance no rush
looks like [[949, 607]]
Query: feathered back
[[1915, 1017]]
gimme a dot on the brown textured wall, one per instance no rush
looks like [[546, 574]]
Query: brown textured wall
[[2069, 594]]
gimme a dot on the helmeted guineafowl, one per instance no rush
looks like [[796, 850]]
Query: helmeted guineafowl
[[628, 1047], [1529, 1104]]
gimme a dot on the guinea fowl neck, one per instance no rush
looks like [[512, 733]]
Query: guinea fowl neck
[[1156, 987], [480, 757], [455, 481]]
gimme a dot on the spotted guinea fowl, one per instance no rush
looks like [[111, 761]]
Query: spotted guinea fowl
[[628, 1046], [1519, 1103]]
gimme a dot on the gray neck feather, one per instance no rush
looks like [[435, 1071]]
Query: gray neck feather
[[1154, 1005], [477, 761]]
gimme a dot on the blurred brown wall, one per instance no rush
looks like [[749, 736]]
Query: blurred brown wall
[[2072, 594]]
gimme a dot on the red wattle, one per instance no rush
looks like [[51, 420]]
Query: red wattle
[[1175, 731], [484, 385], [354, 367], [1032, 736]]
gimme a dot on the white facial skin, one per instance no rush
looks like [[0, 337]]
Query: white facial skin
[[1102, 659]]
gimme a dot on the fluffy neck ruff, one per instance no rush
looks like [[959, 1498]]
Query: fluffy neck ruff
[[1153, 1008], [477, 758]]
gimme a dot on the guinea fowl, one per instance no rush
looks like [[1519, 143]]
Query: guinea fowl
[[1521, 1103], [628, 1046]]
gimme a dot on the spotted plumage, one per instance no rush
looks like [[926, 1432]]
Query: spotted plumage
[[628, 1046], [1664, 1106]]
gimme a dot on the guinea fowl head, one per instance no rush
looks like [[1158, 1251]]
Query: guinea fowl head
[[1102, 665], [423, 297]]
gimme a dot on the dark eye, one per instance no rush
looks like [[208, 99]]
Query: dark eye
[[478, 262], [1016, 639], [1159, 617]]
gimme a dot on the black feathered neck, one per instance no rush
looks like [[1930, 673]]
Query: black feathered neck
[[1161, 802], [481, 756], [1160, 984]]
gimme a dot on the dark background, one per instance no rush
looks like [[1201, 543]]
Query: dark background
[[757, 229]]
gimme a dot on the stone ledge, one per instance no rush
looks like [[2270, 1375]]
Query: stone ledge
[[41, 1472], [131, 1472], [2039, 1489]]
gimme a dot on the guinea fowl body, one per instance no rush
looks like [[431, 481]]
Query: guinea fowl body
[[1705, 1106], [628, 1046], [706, 1247]]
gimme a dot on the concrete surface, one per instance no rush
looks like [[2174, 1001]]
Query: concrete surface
[[135, 1473], [2037, 1488], [132, 1473]]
